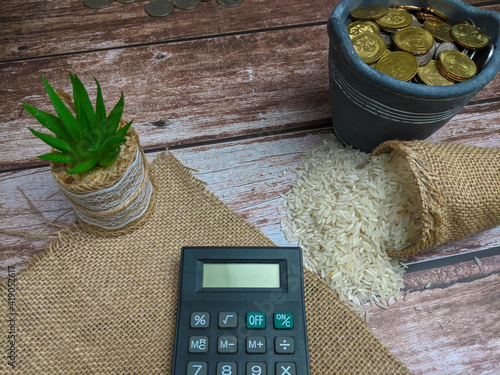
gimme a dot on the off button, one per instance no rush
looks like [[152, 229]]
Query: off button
[[256, 320]]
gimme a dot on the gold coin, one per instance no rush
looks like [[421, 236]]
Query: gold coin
[[395, 19], [400, 65], [427, 16], [446, 73], [470, 36], [456, 64], [439, 30], [429, 74], [370, 47], [374, 25], [437, 13], [386, 52], [359, 27], [412, 8], [369, 12], [414, 40]]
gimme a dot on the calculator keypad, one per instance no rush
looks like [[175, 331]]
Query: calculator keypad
[[227, 337]]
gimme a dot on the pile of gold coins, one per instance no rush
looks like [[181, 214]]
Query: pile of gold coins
[[419, 44]]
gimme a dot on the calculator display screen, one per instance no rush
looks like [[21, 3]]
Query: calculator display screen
[[241, 275]]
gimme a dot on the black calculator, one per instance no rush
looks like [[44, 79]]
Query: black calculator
[[241, 312]]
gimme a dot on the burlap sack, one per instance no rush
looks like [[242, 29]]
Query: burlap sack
[[459, 187], [94, 305]]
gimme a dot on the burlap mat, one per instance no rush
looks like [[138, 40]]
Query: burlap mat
[[459, 187], [93, 305]]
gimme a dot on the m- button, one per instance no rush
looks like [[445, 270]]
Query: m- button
[[256, 320]]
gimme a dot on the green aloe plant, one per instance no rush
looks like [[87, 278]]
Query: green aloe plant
[[88, 140]]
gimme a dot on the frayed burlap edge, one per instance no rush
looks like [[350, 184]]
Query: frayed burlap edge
[[430, 195], [437, 186]]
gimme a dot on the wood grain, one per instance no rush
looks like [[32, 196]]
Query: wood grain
[[248, 175], [69, 26], [61, 24], [201, 91], [455, 329]]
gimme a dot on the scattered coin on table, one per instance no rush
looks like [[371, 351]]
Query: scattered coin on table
[[431, 48], [159, 8], [186, 4], [230, 3], [97, 4]]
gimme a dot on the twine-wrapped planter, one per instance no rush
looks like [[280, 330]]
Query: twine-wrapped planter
[[117, 199]]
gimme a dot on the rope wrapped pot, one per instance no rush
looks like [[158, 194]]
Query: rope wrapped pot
[[459, 187], [113, 200]]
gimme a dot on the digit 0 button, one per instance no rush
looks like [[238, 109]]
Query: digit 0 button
[[283, 320], [256, 320]]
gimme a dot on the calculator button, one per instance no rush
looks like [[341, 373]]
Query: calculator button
[[227, 344], [284, 345], [226, 368], [200, 320], [228, 320], [285, 368], [256, 345], [256, 320], [283, 320], [197, 368], [198, 344], [256, 368]]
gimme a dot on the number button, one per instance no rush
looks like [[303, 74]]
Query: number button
[[256, 320], [228, 320], [283, 320], [256, 368], [198, 344], [285, 368], [256, 345], [284, 345], [197, 368], [200, 320], [227, 344], [226, 368]]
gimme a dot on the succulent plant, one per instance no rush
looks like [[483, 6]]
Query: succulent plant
[[90, 139]]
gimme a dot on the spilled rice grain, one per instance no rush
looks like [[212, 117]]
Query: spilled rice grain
[[345, 211]]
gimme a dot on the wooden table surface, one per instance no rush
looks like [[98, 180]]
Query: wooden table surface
[[240, 95]]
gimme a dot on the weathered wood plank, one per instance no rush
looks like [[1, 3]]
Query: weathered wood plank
[[38, 28], [60, 24], [196, 91], [247, 175], [451, 328]]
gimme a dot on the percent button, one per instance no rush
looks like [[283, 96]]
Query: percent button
[[200, 320], [283, 320]]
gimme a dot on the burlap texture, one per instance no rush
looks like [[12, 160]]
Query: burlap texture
[[459, 187], [93, 305]]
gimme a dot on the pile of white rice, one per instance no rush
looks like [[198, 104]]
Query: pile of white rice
[[345, 212]]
